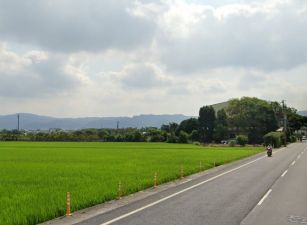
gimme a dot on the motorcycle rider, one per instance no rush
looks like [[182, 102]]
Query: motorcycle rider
[[269, 150]]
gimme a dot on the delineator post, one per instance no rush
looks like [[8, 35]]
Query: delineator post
[[119, 191], [68, 204], [155, 180], [181, 172]]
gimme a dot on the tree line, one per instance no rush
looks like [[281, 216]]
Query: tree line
[[245, 120]]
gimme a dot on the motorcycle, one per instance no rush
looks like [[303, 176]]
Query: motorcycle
[[269, 151]]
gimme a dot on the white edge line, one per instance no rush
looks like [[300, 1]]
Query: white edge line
[[182, 191], [264, 197], [177, 193], [284, 173]]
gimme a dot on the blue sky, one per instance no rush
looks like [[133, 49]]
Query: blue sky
[[75, 58]]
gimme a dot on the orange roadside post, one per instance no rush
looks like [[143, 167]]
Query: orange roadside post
[[68, 204], [155, 180], [119, 193]]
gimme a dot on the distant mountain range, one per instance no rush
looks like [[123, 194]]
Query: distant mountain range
[[303, 113], [37, 122]]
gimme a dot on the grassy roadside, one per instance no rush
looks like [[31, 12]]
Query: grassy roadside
[[35, 176]]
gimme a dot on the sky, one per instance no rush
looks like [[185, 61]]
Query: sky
[[75, 58]]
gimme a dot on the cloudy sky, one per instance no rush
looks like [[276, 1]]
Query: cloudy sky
[[73, 58]]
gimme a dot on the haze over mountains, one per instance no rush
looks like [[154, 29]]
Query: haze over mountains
[[303, 113], [36, 122], [30, 121]]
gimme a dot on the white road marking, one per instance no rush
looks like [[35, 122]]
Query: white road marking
[[284, 173], [186, 181], [264, 197], [182, 191], [293, 163]]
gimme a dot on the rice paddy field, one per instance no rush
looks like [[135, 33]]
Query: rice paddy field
[[35, 176]]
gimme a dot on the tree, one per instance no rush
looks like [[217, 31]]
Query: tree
[[206, 122], [169, 128], [172, 138], [252, 117], [103, 134], [183, 137], [221, 126], [294, 121], [188, 125], [242, 140], [194, 136]]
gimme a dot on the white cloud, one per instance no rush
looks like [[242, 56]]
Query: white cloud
[[74, 25], [257, 36], [87, 58], [37, 56], [10, 61], [34, 75], [142, 76]]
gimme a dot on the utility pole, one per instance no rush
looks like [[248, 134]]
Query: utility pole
[[117, 125], [285, 120], [18, 122]]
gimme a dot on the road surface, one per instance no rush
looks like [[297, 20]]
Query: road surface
[[259, 191]]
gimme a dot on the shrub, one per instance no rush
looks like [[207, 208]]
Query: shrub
[[196, 143], [242, 140], [183, 137], [232, 143], [194, 136], [172, 138]]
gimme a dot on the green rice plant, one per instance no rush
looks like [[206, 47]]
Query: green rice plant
[[35, 176]]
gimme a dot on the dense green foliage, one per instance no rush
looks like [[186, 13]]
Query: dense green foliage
[[252, 117], [242, 140], [221, 131], [276, 139], [34, 177], [206, 121], [247, 116]]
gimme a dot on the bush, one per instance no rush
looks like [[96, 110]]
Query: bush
[[172, 138], [196, 143], [232, 143], [276, 139], [194, 136], [183, 137], [242, 140]]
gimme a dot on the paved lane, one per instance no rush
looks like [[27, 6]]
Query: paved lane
[[287, 201], [224, 198]]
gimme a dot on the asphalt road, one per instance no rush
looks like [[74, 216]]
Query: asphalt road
[[286, 202], [227, 197]]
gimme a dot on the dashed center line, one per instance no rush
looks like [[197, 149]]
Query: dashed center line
[[264, 197], [284, 173], [293, 163]]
